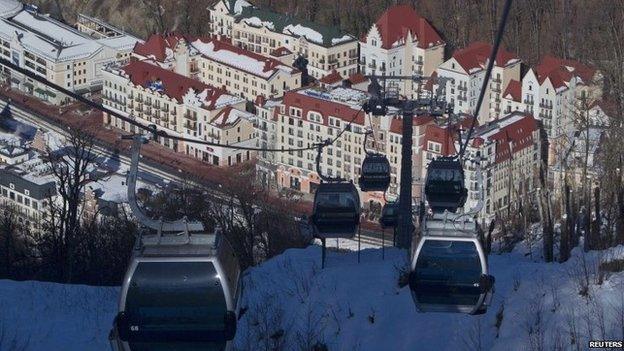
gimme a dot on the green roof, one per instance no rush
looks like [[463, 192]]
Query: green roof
[[282, 23]]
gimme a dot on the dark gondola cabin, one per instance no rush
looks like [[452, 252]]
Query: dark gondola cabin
[[178, 295], [389, 215], [375, 174], [444, 185], [449, 275], [336, 210]]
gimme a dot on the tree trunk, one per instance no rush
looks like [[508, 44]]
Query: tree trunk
[[567, 230]]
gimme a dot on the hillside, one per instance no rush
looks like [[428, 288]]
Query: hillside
[[351, 306]]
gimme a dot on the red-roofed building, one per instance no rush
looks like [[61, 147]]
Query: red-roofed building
[[465, 72], [219, 63], [308, 116], [401, 42], [555, 92], [509, 150], [180, 106], [512, 97], [333, 79]]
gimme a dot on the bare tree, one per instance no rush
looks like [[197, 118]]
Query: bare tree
[[61, 235]]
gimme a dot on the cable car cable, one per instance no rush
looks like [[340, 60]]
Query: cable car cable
[[159, 133], [488, 72]]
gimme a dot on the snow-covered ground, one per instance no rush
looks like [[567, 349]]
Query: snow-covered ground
[[351, 306]]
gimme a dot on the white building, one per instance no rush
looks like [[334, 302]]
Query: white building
[[552, 92], [264, 31], [56, 51], [509, 150], [401, 42], [28, 191], [466, 71]]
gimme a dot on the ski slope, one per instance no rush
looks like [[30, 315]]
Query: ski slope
[[292, 302]]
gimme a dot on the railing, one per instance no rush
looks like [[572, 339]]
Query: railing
[[462, 87]]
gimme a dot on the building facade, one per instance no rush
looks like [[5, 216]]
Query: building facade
[[180, 106], [465, 72], [508, 151], [401, 42], [63, 55], [26, 194], [309, 116], [263, 31], [221, 64]]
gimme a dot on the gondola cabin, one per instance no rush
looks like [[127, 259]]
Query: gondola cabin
[[389, 215], [375, 173], [180, 293], [444, 184], [449, 271], [336, 212]]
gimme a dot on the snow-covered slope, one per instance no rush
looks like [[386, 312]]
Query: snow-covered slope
[[290, 300], [49, 316]]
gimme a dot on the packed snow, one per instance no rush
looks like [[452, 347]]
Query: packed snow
[[244, 62], [257, 22], [303, 31], [351, 306]]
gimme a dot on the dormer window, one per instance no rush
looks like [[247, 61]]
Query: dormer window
[[374, 42]]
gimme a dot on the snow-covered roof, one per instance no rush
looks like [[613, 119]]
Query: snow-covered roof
[[236, 6], [9, 8], [230, 116], [176, 86], [124, 42], [280, 23], [47, 37], [244, 60]]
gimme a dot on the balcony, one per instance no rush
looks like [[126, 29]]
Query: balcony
[[545, 105], [496, 80], [496, 90], [190, 125], [528, 102], [462, 98], [462, 87], [419, 62]]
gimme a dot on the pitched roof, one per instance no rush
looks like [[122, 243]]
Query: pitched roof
[[332, 78], [514, 90], [516, 128], [561, 71], [441, 135], [22, 182], [585, 72], [325, 107], [396, 125], [156, 45], [474, 57], [229, 116], [173, 85], [398, 20], [280, 51], [358, 78], [245, 60]]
